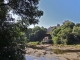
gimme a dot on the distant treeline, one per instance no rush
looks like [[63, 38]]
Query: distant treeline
[[35, 34], [67, 33]]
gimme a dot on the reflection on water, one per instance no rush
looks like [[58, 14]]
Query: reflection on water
[[28, 57]]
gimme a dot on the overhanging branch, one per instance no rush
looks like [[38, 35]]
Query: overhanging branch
[[2, 4]]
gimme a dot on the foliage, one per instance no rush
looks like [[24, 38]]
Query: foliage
[[12, 43], [68, 33], [26, 10], [12, 36], [33, 43], [36, 34], [56, 40]]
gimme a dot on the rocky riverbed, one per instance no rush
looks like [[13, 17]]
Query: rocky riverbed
[[61, 52]]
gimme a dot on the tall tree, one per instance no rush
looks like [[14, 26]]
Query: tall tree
[[66, 33], [36, 34], [12, 36]]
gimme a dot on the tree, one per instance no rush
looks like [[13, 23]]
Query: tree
[[65, 35], [26, 10], [36, 34], [76, 33], [68, 23], [68, 33], [12, 43], [12, 36], [77, 25]]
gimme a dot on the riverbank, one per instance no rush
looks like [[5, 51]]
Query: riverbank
[[63, 52]]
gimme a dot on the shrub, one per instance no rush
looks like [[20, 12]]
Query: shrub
[[56, 40]]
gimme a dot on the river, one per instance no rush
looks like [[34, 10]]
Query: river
[[50, 52], [46, 57]]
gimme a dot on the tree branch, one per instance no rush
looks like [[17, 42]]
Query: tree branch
[[2, 4]]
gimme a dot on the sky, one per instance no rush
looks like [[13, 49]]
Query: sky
[[57, 11]]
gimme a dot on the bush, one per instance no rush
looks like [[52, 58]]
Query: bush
[[56, 40]]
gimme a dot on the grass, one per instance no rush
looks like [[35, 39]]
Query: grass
[[63, 45], [60, 49], [33, 43]]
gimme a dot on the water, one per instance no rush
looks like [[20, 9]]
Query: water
[[29, 57]]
